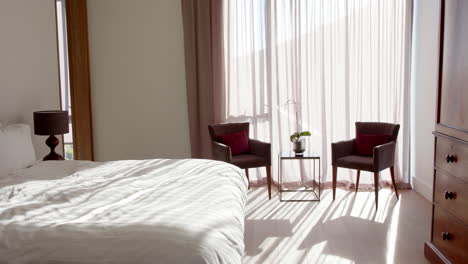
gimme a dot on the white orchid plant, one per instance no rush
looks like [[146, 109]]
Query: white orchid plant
[[297, 135]]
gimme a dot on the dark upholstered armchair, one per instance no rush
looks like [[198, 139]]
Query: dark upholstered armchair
[[344, 154], [258, 156]]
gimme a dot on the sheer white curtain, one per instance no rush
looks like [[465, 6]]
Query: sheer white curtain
[[340, 61]]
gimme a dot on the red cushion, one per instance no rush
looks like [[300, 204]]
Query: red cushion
[[365, 143], [238, 142]]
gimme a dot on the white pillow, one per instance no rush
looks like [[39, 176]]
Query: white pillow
[[16, 149]]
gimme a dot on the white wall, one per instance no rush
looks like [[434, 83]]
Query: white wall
[[425, 56], [138, 79], [29, 78]]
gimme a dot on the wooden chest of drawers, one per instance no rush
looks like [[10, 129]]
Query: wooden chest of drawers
[[449, 238], [449, 243]]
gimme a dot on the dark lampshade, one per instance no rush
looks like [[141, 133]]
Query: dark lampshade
[[48, 123]]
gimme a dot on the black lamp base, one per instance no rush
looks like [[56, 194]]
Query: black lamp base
[[52, 142]]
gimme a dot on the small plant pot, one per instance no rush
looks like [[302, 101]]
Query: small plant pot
[[299, 146]]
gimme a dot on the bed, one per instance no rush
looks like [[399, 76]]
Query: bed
[[131, 211]]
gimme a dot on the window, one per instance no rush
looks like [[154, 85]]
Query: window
[[338, 62]]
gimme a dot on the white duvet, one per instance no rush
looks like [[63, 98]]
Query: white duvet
[[147, 211]]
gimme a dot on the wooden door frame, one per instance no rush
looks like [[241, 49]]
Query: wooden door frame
[[79, 75]]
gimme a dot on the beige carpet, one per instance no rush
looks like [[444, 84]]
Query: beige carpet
[[348, 230]]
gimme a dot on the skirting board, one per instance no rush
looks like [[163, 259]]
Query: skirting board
[[422, 188]]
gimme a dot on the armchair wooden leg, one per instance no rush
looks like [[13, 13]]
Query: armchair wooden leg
[[335, 171], [357, 179], [268, 171], [247, 174], [376, 186], [392, 173]]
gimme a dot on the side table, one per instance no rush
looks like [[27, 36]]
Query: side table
[[315, 190]]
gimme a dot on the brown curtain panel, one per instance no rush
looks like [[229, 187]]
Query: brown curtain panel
[[204, 65]]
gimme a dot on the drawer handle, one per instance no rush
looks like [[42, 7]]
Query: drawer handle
[[446, 236], [449, 195], [450, 158]]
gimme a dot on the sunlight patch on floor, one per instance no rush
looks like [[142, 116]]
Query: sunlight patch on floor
[[347, 230], [392, 235]]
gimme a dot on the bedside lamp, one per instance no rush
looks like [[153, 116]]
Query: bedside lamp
[[51, 123]]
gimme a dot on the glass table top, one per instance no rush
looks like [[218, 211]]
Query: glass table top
[[293, 155]]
